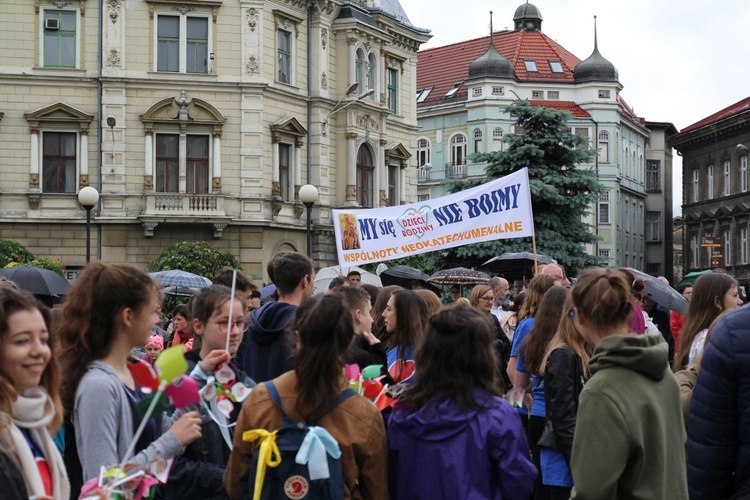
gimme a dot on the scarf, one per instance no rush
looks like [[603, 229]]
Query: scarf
[[33, 410]]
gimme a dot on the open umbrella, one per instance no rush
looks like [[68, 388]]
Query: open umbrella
[[325, 275], [183, 279], [661, 293], [267, 291], [404, 275], [519, 265], [459, 276], [36, 280]]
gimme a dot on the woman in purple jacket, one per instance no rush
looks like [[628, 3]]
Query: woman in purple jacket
[[452, 435]]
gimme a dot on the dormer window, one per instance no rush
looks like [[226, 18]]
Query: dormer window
[[604, 94], [452, 92], [498, 90], [476, 92], [537, 94], [530, 65], [556, 66], [422, 95]]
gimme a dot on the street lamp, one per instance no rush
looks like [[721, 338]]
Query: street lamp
[[308, 195], [88, 197], [353, 87]]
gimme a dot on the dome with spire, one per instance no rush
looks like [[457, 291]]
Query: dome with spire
[[595, 68], [491, 64], [528, 17]]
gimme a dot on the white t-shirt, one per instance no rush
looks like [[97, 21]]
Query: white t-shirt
[[696, 350]]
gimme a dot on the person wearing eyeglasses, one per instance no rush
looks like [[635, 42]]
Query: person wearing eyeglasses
[[198, 473], [482, 298]]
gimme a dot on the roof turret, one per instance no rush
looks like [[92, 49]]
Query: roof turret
[[595, 68], [491, 64]]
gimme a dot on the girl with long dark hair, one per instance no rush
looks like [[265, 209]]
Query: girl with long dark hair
[[323, 330], [404, 319], [452, 435]]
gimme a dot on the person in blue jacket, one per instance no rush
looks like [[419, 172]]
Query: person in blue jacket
[[452, 435], [718, 446]]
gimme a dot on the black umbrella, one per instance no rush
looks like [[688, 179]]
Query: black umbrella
[[36, 280], [661, 293], [460, 276], [404, 275], [518, 265]]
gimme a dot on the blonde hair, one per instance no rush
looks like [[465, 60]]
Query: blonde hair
[[462, 302], [537, 288], [431, 300]]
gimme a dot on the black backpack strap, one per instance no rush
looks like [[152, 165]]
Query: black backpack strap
[[276, 398]]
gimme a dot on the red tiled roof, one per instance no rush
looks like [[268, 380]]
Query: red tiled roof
[[728, 112], [442, 67], [569, 106]]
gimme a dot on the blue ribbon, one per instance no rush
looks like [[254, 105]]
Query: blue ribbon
[[312, 453]]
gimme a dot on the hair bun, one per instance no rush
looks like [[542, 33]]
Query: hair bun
[[639, 285]]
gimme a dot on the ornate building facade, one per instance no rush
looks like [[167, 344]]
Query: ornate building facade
[[200, 120]]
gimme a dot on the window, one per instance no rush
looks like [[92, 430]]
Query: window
[[392, 179], [727, 247], [696, 186], [285, 153], [423, 152], [553, 94], [422, 95], [555, 66], [653, 226], [743, 173], [626, 161], [365, 173], [452, 92], [60, 46], [497, 139], [727, 178], [59, 162], [710, 186], [393, 89], [537, 94], [168, 163], [182, 43], [477, 140], [653, 172], [604, 207], [604, 94], [604, 253], [583, 132], [497, 90], [372, 75], [653, 268], [694, 251], [604, 146], [530, 65], [476, 92], [458, 149], [360, 69], [423, 197], [284, 47], [743, 245]]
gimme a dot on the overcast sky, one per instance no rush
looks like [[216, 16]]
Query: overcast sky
[[679, 61]]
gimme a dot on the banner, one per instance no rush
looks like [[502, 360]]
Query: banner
[[496, 210]]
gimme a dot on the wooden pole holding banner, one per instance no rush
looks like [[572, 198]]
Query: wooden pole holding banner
[[533, 246]]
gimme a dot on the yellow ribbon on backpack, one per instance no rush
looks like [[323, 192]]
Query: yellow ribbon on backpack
[[268, 455]]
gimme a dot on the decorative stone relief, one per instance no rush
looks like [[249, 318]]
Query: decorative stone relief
[[83, 181], [276, 208], [34, 181], [351, 193], [252, 65], [34, 201], [114, 10], [324, 37], [219, 228], [148, 183], [298, 211], [183, 8], [113, 58], [60, 4], [384, 199], [148, 228], [275, 189], [217, 185], [367, 122], [324, 81], [251, 15]]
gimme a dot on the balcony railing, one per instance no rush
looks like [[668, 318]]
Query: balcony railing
[[423, 174], [184, 204], [455, 170]]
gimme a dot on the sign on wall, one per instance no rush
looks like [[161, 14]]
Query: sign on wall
[[495, 210]]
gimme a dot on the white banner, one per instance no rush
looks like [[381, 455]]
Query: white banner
[[496, 210]]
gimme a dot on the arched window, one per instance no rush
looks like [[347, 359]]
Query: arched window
[[478, 141], [458, 149], [626, 162], [360, 68], [604, 146], [497, 139], [372, 74], [365, 174], [423, 152]]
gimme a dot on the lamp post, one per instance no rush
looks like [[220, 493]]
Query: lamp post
[[352, 88], [88, 197], [308, 195]]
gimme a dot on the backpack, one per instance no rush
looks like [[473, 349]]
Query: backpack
[[283, 474]]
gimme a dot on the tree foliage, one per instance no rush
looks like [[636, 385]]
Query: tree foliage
[[12, 251], [561, 192], [197, 257]]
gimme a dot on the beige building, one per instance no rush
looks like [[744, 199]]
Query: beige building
[[200, 120]]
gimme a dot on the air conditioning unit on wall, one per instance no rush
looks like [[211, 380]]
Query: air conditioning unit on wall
[[52, 23]]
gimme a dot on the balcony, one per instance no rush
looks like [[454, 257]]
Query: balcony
[[423, 175], [165, 208], [456, 170]]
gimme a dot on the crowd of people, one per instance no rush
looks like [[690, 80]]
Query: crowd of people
[[562, 388]]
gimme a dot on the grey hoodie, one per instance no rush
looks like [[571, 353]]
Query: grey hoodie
[[104, 424]]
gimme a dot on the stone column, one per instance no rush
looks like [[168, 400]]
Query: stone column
[[183, 162], [216, 181], [351, 166], [297, 167], [83, 179], [401, 188], [148, 160], [382, 177], [352, 76], [275, 185], [34, 164]]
